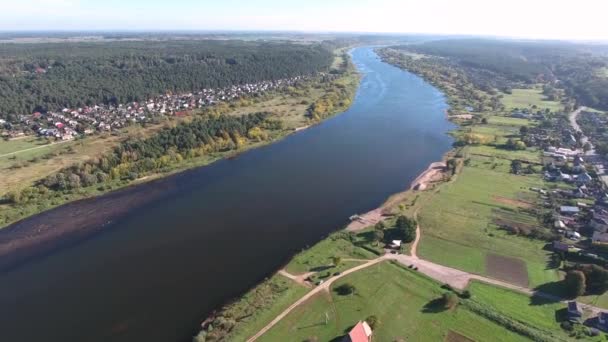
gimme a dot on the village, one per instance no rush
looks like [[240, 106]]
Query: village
[[70, 123]]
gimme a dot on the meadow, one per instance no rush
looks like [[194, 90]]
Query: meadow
[[526, 98], [407, 308]]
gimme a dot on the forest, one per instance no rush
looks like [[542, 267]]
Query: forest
[[51, 76], [502, 65]]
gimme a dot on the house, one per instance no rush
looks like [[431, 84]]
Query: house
[[568, 210], [572, 235], [574, 314], [359, 333], [395, 244]]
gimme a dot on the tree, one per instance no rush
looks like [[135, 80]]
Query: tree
[[380, 226], [523, 130], [515, 166], [575, 283], [407, 228], [372, 321], [449, 300], [346, 289], [378, 236], [336, 260], [587, 147]]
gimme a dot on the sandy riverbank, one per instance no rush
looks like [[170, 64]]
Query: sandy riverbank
[[433, 174]]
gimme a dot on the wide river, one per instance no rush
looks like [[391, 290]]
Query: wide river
[[216, 231]]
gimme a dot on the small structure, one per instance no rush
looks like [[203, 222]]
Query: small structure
[[395, 244], [568, 210], [359, 333], [574, 314]]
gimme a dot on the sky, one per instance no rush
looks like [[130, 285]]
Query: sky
[[536, 19]]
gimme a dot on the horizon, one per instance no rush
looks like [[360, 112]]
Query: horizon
[[541, 20]]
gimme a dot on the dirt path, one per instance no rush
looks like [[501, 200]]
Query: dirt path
[[323, 287], [34, 148], [299, 278]]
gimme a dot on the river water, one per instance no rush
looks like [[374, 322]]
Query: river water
[[153, 274]]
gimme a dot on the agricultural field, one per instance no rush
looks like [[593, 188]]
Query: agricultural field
[[405, 304], [526, 98]]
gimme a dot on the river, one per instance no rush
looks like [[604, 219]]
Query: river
[[154, 272]]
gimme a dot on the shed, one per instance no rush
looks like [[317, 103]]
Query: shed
[[568, 210]]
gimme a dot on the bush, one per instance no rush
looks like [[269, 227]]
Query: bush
[[466, 294], [345, 289], [575, 283], [372, 321], [449, 300]]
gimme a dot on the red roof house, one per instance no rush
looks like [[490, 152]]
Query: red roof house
[[359, 333]]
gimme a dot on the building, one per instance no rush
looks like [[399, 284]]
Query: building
[[396, 244], [568, 210], [359, 333]]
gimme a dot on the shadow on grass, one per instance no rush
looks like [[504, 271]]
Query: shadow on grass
[[549, 293], [561, 315], [320, 268], [434, 306], [311, 325]]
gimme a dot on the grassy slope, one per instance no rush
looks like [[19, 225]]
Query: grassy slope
[[321, 255], [252, 324], [398, 298]]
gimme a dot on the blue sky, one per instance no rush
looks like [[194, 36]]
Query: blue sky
[[558, 19]]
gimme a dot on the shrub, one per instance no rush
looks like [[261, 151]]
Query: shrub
[[449, 300], [372, 321], [345, 289], [466, 294]]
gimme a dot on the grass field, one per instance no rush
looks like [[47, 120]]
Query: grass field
[[320, 255], [458, 227], [525, 98], [403, 302]]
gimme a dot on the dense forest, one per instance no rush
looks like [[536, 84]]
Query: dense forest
[[492, 64], [50, 76]]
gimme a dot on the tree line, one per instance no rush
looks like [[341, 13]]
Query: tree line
[[51, 76], [136, 157]]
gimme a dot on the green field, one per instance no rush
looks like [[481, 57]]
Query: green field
[[321, 254], [517, 305], [403, 301], [525, 98], [458, 227]]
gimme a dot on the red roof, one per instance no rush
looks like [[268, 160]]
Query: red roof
[[357, 334]]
